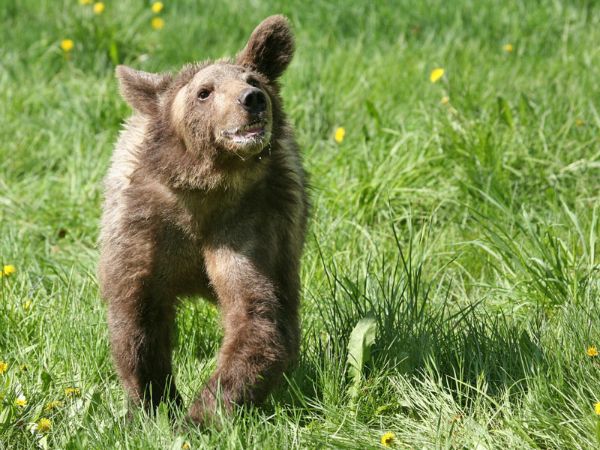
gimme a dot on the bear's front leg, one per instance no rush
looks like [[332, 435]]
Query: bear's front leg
[[140, 333], [261, 333]]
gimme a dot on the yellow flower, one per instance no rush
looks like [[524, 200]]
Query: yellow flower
[[3, 367], [27, 305], [67, 45], [436, 74], [186, 446], [85, 2], [445, 100], [21, 401], [592, 351], [8, 270], [99, 8], [340, 132], [157, 23], [387, 439], [44, 425], [508, 48], [157, 7], [53, 405], [597, 408], [72, 392]]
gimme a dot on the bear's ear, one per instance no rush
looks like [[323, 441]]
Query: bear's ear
[[270, 47], [141, 89]]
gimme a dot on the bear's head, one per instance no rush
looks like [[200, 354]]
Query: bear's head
[[227, 110]]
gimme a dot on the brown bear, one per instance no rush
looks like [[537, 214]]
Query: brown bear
[[206, 195]]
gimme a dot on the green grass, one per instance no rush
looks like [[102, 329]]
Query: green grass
[[469, 230]]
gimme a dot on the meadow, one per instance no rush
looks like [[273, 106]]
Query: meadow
[[455, 218]]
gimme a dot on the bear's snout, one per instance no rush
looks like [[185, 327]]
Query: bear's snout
[[253, 100]]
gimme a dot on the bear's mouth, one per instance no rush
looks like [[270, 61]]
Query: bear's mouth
[[250, 134]]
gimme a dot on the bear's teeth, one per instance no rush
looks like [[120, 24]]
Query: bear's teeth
[[247, 130]]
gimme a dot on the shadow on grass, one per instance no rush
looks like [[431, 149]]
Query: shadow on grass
[[420, 331]]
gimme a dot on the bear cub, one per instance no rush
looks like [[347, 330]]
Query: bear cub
[[206, 195]]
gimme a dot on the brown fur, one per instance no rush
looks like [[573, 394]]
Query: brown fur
[[193, 207]]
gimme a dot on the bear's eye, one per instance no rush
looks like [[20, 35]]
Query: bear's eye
[[203, 94], [253, 82]]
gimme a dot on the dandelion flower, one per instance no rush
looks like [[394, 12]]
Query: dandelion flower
[[157, 23], [21, 401], [85, 2], [157, 7], [99, 8], [340, 132], [387, 439], [8, 270], [445, 100], [597, 408], [27, 305], [67, 45], [592, 351], [44, 425], [72, 392], [3, 367], [55, 404], [436, 74], [186, 446], [508, 48]]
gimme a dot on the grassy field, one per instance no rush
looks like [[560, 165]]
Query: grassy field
[[462, 215]]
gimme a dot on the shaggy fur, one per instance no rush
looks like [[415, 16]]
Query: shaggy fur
[[206, 195]]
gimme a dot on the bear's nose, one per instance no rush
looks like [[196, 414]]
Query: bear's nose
[[253, 100]]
